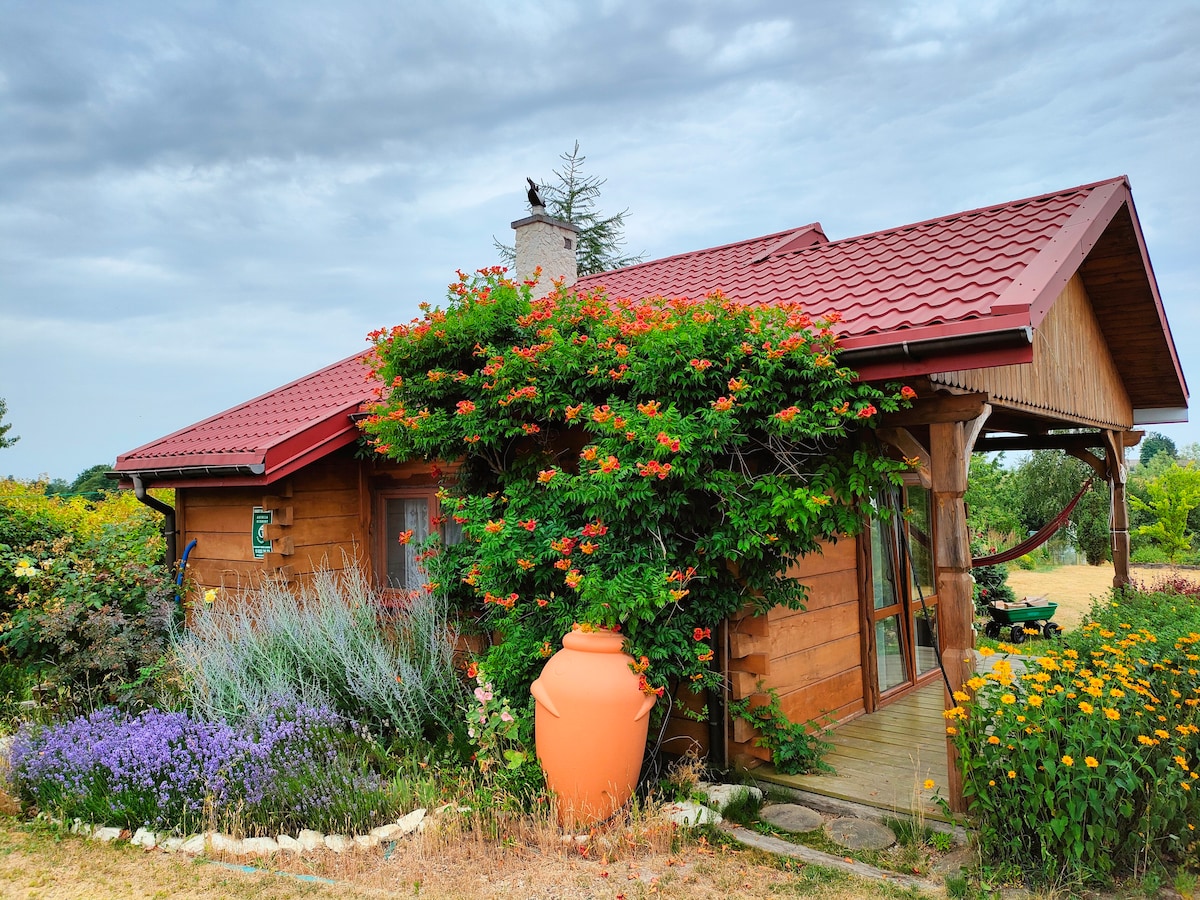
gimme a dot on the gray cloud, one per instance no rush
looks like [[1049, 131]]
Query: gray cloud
[[201, 201]]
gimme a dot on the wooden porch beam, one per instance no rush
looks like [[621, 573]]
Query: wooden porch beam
[[1090, 440], [1116, 442], [1099, 466], [936, 410], [952, 554], [902, 439]]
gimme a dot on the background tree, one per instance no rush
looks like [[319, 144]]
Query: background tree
[[1045, 483], [1155, 444], [572, 197], [991, 497], [1168, 499], [91, 483], [5, 440]]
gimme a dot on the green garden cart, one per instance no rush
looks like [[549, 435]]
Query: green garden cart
[[1020, 618]]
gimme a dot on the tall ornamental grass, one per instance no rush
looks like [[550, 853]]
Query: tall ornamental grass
[[1083, 764], [329, 644], [288, 768]]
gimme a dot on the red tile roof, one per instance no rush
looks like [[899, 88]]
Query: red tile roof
[[964, 290], [265, 438], [898, 284]]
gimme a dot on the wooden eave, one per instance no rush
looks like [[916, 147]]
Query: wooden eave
[[1120, 283]]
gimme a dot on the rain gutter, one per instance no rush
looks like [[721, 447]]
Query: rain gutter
[[931, 348]]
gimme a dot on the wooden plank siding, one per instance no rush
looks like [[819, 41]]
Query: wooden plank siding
[[1072, 376], [317, 522], [812, 657]]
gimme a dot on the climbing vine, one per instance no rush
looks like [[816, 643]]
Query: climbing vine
[[652, 466]]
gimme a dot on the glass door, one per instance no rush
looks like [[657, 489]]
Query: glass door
[[904, 598], [892, 668]]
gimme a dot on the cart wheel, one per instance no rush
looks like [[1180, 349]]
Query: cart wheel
[[1016, 634], [992, 630], [1051, 630]]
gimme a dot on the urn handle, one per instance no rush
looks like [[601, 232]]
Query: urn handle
[[647, 705], [542, 696]]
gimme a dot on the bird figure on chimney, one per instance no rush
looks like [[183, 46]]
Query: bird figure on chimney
[[535, 199]]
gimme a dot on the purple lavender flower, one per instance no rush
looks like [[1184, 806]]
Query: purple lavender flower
[[167, 767]]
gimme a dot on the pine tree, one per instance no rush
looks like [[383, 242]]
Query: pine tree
[[5, 441], [572, 197]]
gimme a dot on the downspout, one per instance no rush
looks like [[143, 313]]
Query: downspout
[[168, 531]]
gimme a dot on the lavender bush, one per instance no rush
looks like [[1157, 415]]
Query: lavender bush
[[285, 769], [327, 644]]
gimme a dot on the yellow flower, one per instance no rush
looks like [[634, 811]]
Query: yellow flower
[[1067, 760], [24, 569], [1012, 773], [1162, 734], [1008, 699], [1085, 707], [1035, 700], [210, 595], [1091, 762], [985, 651], [992, 739], [929, 785], [960, 696], [950, 729], [1111, 713]]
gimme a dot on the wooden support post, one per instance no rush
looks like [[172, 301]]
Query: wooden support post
[[1117, 473], [947, 451]]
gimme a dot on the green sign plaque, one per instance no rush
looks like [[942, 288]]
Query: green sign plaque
[[258, 539]]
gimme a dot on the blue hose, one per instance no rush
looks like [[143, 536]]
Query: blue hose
[[183, 565]]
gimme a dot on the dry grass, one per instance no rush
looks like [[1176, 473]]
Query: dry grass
[[448, 864], [1073, 587]]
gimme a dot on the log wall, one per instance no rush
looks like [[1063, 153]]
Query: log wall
[[318, 521], [813, 657]]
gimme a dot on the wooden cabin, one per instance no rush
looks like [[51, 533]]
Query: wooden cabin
[[1013, 322]]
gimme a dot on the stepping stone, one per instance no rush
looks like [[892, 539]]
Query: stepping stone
[[860, 834], [792, 817], [722, 795], [689, 814]]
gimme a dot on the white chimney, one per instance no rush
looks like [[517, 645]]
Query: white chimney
[[549, 243]]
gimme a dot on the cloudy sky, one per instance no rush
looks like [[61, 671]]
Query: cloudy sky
[[201, 201]]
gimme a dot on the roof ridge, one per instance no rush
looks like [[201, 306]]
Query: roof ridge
[[778, 235], [1011, 204]]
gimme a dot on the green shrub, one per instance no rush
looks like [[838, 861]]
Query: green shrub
[[1084, 765], [796, 748], [991, 585], [85, 603], [1150, 554], [328, 643]]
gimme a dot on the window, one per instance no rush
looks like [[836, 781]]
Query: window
[[410, 515]]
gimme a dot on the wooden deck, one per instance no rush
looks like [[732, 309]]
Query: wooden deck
[[883, 759]]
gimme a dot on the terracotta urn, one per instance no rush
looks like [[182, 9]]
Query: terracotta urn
[[590, 726]]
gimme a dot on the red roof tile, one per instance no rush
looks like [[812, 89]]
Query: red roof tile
[[951, 286], [952, 269], [267, 437]]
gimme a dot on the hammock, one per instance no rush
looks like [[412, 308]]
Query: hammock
[[1036, 539]]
